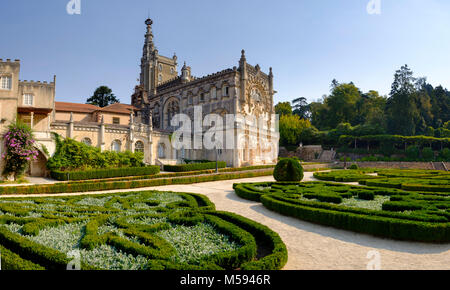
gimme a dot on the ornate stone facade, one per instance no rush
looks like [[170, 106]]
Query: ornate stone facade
[[244, 90], [145, 125]]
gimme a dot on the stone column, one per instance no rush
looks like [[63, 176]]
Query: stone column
[[70, 133], [101, 134], [32, 120], [131, 132], [150, 140]]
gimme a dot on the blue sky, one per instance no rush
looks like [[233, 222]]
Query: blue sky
[[308, 43]]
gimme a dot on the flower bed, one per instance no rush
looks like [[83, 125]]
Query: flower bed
[[384, 212], [137, 230]]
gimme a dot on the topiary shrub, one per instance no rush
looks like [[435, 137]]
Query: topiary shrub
[[445, 154], [288, 170], [427, 154], [412, 152], [354, 166]]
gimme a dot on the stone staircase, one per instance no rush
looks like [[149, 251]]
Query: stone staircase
[[327, 156], [439, 166]]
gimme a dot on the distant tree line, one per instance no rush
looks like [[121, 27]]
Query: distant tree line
[[413, 107]]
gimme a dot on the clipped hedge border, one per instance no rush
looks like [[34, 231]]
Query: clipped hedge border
[[35, 253], [384, 224], [374, 225], [194, 166], [102, 186], [241, 230], [265, 237], [104, 173], [12, 261]]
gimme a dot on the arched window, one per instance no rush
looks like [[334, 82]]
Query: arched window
[[139, 147], [172, 108], [116, 145], [87, 141], [161, 151], [156, 116]]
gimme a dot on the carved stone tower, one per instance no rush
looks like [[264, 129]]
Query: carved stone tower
[[155, 68]]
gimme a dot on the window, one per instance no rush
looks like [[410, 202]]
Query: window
[[172, 71], [5, 82], [116, 120], [87, 141], [161, 151], [160, 67], [28, 99], [202, 97], [139, 147], [190, 100], [115, 146], [213, 93], [225, 91], [160, 78]]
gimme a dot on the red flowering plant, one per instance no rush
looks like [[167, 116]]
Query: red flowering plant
[[20, 149]]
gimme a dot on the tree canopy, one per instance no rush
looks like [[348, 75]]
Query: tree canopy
[[413, 107], [102, 97]]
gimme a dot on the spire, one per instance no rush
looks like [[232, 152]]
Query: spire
[[243, 60], [243, 56], [149, 45], [185, 73]]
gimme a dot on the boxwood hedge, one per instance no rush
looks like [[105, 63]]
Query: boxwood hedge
[[405, 216], [133, 224], [99, 185], [194, 166], [104, 173]]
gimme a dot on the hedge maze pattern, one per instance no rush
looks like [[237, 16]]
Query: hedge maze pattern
[[383, 207], [141, 230]]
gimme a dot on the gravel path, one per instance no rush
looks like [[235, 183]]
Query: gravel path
[[315, 247]]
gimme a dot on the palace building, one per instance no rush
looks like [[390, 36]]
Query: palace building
[[145, 125]]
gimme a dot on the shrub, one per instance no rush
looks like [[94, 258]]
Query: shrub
[[72, 155], [427, 221], [366, 195], [251, 246], [194, 166], [19, 149], [354, 166], [288, 170], [86, 186], [104, 173], [412, 152], [445, 154], [427, 153]]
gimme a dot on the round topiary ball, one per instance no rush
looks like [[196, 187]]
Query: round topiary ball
[[354, 167], [288, 170]]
